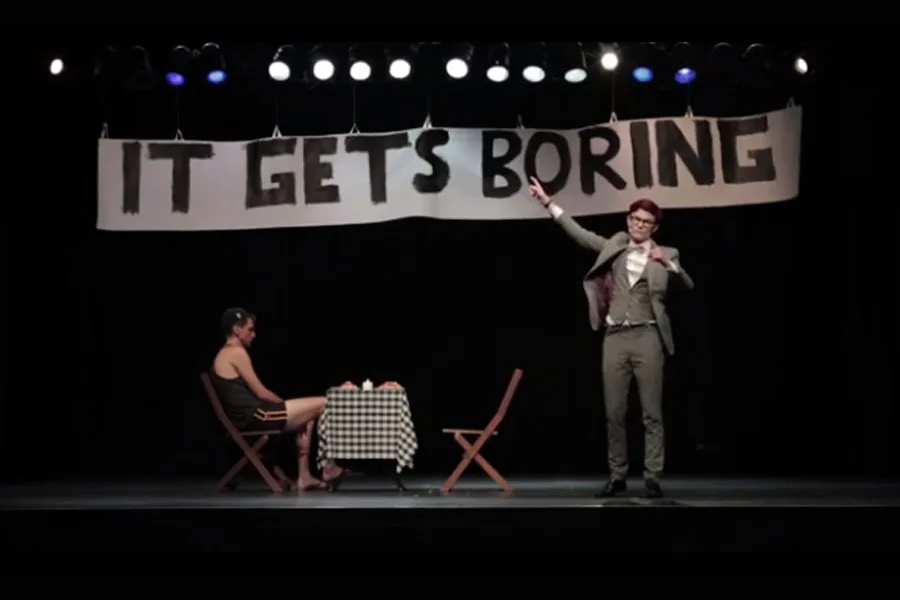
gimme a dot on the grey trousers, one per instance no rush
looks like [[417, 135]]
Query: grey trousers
[[636, 353]]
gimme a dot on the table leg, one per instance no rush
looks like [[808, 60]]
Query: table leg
[[392, 469]]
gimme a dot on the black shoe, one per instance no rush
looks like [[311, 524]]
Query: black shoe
[[653, 488], [614, 487]]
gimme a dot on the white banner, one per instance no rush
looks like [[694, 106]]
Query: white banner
[[453, 174]]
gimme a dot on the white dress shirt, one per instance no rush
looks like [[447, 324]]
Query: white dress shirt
[[636, 261]]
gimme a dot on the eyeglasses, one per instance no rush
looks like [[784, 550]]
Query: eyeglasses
[[639, 221]]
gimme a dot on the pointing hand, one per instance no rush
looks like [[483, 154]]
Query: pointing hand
[[537, 192]]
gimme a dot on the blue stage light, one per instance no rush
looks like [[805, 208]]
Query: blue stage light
[[175, 79], [216, 76], [642, 74], [685, 76]]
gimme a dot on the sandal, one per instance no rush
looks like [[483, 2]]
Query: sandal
[[313, 487], [334, 483]]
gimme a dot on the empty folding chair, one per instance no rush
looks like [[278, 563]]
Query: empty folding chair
[[472, 450]]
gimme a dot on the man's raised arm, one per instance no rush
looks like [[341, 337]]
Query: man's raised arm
[[581, 236]]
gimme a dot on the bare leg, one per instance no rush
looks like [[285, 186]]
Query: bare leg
[[301, 415], [306, 481], [301, 411]]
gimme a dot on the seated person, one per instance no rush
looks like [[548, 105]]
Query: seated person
[[251, 406]]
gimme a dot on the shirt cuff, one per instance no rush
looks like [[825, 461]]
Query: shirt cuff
[[555, 211]]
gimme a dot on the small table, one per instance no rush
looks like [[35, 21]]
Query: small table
[[368, 425]]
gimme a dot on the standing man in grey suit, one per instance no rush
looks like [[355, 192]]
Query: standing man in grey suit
[[626, 292]]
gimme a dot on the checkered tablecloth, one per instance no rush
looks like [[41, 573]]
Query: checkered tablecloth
[[367, 425]]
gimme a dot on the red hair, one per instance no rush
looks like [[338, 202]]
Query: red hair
[[648, 205]]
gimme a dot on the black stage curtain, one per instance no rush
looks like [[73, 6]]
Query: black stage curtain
[[781, 365]]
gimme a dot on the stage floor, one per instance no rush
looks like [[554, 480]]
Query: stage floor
[[368, 512], [371, 492]]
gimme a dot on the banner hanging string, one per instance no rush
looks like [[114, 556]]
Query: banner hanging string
[[427, 123], [178, 134], [276, 133], [613, 118], [103, 101], [354, 130]]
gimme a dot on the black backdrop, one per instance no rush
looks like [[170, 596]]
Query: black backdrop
[[781, 367]]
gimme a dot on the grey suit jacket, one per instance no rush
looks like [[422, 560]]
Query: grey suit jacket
[[607, 250]]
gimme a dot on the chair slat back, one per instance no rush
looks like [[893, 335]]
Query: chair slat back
[[507, 399], [217, 406]]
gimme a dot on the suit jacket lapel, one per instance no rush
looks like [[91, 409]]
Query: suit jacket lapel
[[614, 246], [656, 272]]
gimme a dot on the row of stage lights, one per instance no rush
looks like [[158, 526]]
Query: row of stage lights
[[535, 62]]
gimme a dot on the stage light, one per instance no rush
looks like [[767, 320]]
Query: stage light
[[609, 57], [279, 71], [140, 72], [108, 68], [642, 75], [572, 61], [498, 57], [360, 67], [213, 63], [360, 70], [56, 66], [280, 67], [758, 57], [400, 68], [576, 75], [139, 60], [534, 74], [323, 67], [685, 76], [724, 63], [805, 63], [498, 73], [179, 64], [756, 68], [684, 58], [107, 63], [609, 61], [645, 59], [457, 66], [400, 60], [534, 57]]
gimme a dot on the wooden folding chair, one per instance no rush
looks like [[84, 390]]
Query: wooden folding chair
[[472, 451], [251, 453]]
